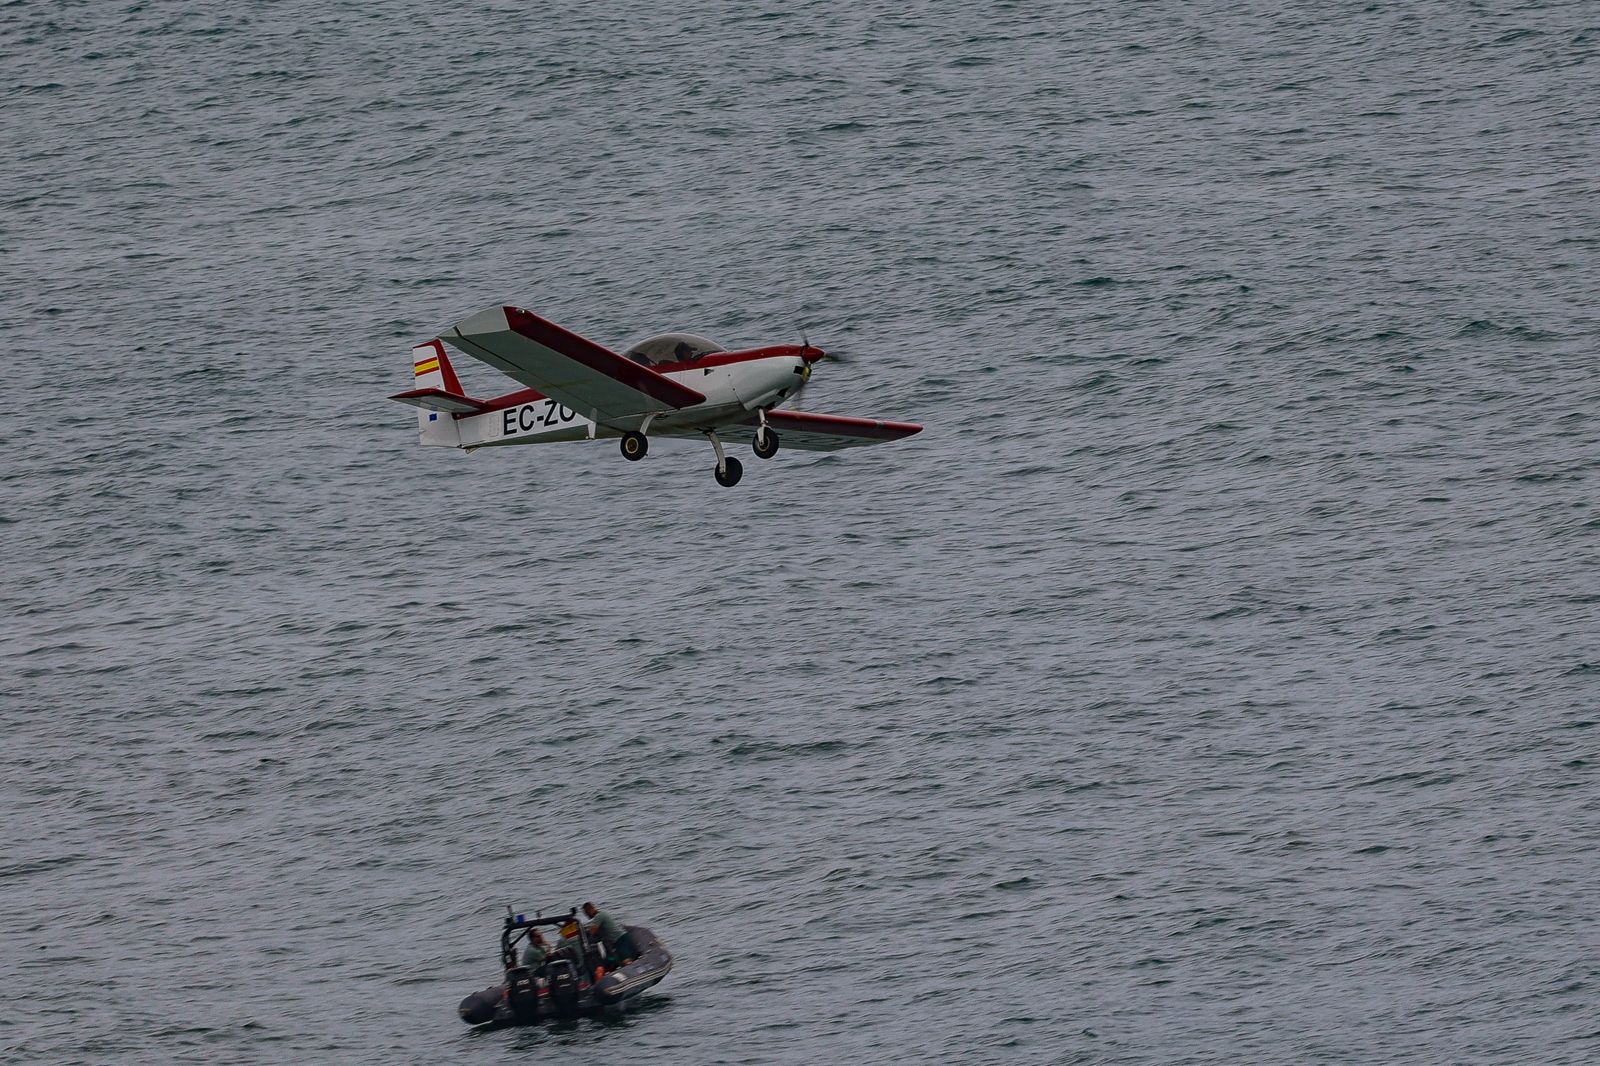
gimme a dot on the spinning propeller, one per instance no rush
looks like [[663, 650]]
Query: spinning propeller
[[813, 355], [818, 355]]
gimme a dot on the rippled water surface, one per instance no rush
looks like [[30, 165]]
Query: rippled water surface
[[1214, 680]]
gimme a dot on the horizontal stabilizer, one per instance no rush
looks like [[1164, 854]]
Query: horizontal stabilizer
[[442, 401]]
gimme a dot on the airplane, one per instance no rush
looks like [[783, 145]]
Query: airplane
[[669, 385]]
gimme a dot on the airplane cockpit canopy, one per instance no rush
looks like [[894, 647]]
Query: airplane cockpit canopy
[[672, 348]]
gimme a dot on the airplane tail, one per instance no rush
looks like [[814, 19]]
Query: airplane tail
[[433, 373]]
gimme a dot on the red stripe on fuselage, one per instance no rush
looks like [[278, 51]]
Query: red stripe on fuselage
[[776, 351]]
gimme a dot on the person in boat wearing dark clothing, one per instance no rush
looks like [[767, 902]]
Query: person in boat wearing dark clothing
[[606, 929]]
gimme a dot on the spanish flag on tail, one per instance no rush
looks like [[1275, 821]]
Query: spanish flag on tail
[[430, 368]]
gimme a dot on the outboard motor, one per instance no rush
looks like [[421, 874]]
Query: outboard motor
[[522, 995], [564, 990]]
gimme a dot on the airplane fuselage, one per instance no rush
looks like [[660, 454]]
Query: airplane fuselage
[[734, 385]]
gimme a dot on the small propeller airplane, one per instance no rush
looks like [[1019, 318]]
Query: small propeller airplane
[[670, 385]]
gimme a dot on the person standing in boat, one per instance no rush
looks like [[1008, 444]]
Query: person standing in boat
[[618, 941]]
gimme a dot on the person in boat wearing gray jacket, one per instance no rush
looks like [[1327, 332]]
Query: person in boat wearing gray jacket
[[618, 941], [536, 952]]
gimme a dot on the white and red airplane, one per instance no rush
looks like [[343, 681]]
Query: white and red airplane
[[671, 385]]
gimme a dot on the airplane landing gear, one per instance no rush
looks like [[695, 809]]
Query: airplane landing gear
[[634, 445], [728, 469], [766, 443]]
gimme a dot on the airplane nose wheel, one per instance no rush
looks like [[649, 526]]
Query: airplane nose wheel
[[766, 444], [634, 445]]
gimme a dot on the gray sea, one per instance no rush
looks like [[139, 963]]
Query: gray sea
[[1215, 680]]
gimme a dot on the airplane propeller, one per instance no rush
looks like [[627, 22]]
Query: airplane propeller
[[824, 356], [812, 356]]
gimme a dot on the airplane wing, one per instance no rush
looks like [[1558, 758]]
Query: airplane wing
[[569, 369], [823, 433]]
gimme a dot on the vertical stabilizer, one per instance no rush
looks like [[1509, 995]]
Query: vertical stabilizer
[[431, 369]]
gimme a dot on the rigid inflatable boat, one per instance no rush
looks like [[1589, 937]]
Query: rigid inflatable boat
[[570, 981]]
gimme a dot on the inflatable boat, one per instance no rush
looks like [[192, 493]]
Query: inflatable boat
[[571, 981]]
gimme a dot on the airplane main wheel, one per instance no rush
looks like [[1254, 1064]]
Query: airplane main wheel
[[729, 474], [634, 445], [770, 448]]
